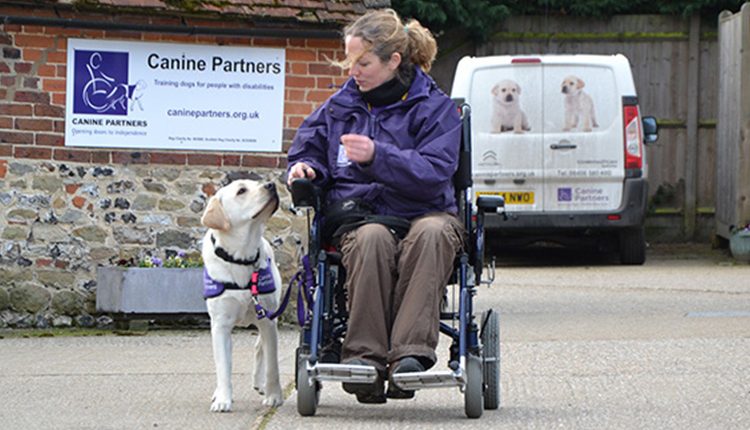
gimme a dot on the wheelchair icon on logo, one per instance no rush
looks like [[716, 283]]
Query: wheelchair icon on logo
[[103, 94]]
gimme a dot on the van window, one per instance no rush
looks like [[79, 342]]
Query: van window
[[499, 93], [537, 91], [576, 97]]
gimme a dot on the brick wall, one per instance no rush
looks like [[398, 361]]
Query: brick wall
[[64, 212]]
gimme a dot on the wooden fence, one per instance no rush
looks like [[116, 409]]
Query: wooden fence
[[675, 67], [733, 131]]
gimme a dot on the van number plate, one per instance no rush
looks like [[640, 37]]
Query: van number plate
[[512, 197]]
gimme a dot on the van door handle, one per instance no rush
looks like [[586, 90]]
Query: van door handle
[[563, 144]]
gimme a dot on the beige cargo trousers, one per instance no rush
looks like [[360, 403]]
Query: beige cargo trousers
[[395, 288]]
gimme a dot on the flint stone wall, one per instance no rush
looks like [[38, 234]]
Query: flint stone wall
[[63, 220]]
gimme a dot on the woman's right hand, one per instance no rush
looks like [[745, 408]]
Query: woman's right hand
[[300, 170]]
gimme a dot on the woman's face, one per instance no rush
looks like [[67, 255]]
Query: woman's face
[[367, 69]]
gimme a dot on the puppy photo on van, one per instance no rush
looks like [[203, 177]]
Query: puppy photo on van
[[579, 106], [507, 114], [242, 284]]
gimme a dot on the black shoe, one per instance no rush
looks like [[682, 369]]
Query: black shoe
[[331, 353], [405, 365], [373, 393]]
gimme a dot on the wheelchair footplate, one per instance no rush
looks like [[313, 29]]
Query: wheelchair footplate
[[430, 379], [358, 374]]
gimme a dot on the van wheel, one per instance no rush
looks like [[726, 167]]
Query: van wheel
[[633, 246]]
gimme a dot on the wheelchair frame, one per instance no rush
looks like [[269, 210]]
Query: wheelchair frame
[[474, 364]]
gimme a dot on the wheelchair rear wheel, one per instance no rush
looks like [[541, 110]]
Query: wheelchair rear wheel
[[473, 389], [308, 391], [491, 357]]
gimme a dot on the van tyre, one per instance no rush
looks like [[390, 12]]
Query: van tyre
[[633, 245]]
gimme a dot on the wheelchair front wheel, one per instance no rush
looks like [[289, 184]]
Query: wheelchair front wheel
[[308, 391], [473, 390], [491, 357]]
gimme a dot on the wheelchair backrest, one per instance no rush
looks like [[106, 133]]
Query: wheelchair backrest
[[462, 177]]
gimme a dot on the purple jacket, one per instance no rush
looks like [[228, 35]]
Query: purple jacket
[[416, 149]]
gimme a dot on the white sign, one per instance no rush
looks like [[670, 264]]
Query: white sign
[[123, 94]]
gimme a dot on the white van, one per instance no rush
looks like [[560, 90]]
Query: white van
[[561, 138]]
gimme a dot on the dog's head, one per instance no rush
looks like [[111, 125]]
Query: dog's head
[[506, 92], [240, 202], [572, 85]]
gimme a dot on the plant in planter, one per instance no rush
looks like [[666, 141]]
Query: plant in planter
[[152, 286], [739, 243], [178, 260]]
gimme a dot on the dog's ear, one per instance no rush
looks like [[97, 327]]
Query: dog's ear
[[518, 89], [580, 84], [214, 216], [495, 89]]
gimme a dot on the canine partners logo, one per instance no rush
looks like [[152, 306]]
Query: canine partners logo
[[564, 194], [101, 84]]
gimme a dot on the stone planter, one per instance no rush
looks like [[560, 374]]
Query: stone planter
[[150, 290], [739, 245]]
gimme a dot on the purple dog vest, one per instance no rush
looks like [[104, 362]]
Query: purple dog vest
[[261, 282]]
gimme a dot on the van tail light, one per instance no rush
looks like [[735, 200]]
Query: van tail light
[[633, 141], [526, 60]]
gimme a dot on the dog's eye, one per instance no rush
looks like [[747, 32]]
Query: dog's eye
[[241, 191]]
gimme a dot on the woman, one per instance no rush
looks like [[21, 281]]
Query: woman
[[389, 137]]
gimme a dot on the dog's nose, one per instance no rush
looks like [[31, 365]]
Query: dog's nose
[[270, 186]]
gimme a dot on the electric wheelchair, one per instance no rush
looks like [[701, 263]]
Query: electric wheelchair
[[474, 363]]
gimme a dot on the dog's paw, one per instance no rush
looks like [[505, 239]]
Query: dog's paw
[[273, 400], [221, 403], [259, 382], [221, 406]]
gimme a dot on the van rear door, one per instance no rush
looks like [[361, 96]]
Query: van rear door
[[506, 97], [583, 136]]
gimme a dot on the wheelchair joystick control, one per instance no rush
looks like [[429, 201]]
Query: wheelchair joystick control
[[453, 365]]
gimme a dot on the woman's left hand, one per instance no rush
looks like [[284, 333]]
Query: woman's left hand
[[359, 148]]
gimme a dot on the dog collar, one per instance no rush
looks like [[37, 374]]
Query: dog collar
[[224, 255]]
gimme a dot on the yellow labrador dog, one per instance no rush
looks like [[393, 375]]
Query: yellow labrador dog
[[507, 114], [579, 106], [240, 270]]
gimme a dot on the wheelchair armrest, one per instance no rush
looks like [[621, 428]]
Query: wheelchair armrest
[[490, 203], [305, 194]]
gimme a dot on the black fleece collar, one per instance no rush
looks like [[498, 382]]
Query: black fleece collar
[[388, 92], [224, 255]]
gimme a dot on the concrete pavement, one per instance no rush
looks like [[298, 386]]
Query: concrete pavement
[[163, 379], [662, 346]]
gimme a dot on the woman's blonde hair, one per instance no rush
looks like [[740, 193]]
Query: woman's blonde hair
[[383, 34]]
